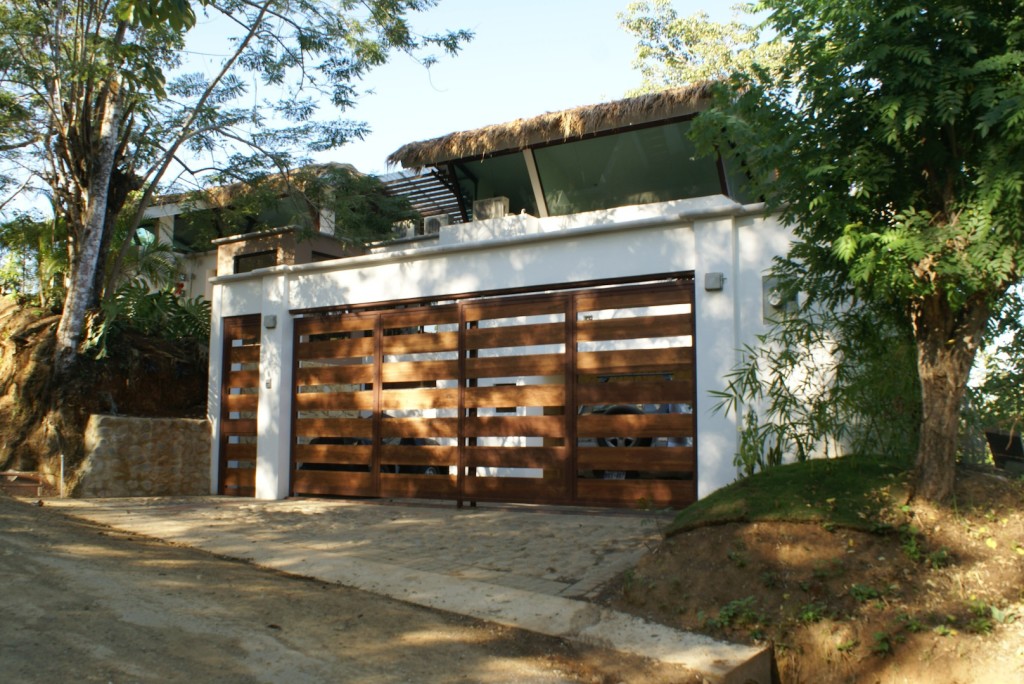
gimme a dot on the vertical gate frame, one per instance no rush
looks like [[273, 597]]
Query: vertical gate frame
[[571, 407]]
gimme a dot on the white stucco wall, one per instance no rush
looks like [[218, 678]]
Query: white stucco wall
[[705, 235]]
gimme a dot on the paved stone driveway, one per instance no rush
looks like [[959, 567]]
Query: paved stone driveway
[[570, 552]]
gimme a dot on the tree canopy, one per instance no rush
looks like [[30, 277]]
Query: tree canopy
[[675, 51], [95, 104], [892, 141]]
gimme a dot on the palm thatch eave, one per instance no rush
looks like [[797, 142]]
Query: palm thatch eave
[[555, 127]]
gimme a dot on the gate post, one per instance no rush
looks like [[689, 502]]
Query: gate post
[[273, 419]]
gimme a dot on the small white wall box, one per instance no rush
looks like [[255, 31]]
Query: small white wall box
[[269, 321], [432, 224], [714, 281], [492, 207]]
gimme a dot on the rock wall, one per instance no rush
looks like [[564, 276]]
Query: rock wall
[[144, 457]]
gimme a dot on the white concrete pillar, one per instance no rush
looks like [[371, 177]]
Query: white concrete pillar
[[165, 230], [273, 419], [216, 374], [715, 323]]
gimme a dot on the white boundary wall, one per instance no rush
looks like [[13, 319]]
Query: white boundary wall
[[705, 235]]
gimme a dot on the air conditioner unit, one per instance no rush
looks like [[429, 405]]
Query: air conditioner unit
[[492, 207], [404, 229], [432, 224]]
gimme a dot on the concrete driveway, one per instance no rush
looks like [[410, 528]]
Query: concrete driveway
[[530, 567]]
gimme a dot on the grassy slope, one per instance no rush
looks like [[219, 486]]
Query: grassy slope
[[847, 492]]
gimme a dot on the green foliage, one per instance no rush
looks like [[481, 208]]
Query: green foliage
[[735, 614], [156, 314], [862, 593], [892, 142], [997, 399], [361, 209], [675, 51], [810, 613], [94, 105], [819, 379]]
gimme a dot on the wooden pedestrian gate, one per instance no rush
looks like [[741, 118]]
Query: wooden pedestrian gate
[[573, 397], [239, 401]]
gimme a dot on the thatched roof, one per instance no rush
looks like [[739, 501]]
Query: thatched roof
[[554, 126]]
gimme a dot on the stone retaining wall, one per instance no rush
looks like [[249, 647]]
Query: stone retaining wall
[[144, 457]]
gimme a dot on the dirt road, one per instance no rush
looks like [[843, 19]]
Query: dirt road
[[85, 603]]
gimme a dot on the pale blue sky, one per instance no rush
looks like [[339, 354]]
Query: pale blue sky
[[528, 57]]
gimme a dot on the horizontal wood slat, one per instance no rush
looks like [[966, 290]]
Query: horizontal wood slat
[[329, 482], [241, 379], [238, 427], [426, 315], [333, 453], [410, 371], [509, 426], [239, 478], [235, 403], [421, 343], [419, 399], [333, 401], [517, 457], [537, 305], [249, 353], [634, 393], [424, 428], [634, 361], [630, 298], [347, 323], [634, 328], [334, 427], [239, 452], [420, 455], [653, 459], [515, 336], [418, 486], [636, 493], [521, 395], [335, 375], [512, 366], [335, 349], [515, 489], [635, 425]]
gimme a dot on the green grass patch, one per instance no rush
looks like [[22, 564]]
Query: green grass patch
[[842, 492]]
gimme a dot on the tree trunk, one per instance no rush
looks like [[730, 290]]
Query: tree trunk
[[947, 341], [83, 276]]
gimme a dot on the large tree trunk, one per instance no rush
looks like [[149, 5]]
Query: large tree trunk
[[947, 341], [84, 268]]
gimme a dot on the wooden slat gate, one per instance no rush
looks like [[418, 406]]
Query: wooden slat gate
[[469, 400], [239, 399]]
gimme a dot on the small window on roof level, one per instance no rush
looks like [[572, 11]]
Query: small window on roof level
[[250, 262]]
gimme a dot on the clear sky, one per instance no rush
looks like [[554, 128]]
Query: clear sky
[[528, 57]]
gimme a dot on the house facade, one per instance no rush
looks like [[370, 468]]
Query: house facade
[[549, 333]]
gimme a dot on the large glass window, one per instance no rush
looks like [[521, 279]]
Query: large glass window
[[500, 176], [655, 164]]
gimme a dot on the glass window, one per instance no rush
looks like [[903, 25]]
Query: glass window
[[245, 263], [655, 164], [500, 176]]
